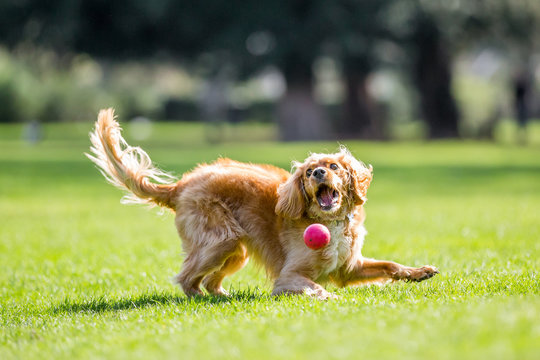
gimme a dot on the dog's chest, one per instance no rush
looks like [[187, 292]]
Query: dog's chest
[[338, 250]]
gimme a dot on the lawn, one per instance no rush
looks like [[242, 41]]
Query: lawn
[[83, 276]]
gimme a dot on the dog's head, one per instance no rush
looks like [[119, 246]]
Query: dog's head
[[324, 186]]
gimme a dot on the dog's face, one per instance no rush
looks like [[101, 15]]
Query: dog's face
[[324, 186]]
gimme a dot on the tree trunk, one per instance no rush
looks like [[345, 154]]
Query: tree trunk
[[299, 116], [433, 79], [358, 120]]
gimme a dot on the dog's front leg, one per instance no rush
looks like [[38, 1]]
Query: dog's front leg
[[295, 283], [369, 270]]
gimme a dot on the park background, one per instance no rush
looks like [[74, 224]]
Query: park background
[[314, 69], [441, 97]]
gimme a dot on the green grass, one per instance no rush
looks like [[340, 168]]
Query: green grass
[[85, 277]]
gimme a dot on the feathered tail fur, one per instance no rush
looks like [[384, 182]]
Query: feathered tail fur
[[128, 168]]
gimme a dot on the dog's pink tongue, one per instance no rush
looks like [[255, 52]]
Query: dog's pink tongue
[[326, 197]]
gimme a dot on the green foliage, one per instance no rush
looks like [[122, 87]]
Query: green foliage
[[86, 277], [502, 23], [39, 84]]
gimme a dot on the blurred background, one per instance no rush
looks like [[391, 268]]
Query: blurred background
[[290, 69]]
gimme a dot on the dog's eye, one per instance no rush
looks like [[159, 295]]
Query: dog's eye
[[308, 172], [334, 166]]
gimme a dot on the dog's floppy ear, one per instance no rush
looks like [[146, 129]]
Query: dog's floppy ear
[[291, 199], [360, 177]]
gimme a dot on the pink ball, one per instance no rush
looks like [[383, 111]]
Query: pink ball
[[316, 236]]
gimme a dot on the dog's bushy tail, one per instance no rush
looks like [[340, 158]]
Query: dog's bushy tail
[[128, 168]]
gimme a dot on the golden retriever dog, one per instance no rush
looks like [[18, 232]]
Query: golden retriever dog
[[227, 211]]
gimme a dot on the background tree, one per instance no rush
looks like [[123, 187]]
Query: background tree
[[432, 76], [248, 36], [356, 30], [441, 29]]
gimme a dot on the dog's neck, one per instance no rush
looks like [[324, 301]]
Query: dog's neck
[[346, 220]]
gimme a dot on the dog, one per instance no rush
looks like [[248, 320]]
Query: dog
[[228, 211]]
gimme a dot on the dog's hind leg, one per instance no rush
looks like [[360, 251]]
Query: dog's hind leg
[[212, 282], [188, 279], [203, 261], [211, 235]]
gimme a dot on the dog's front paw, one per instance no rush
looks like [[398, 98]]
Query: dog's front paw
[[327, 296], [422, 273], [320, 294], [406, 273]]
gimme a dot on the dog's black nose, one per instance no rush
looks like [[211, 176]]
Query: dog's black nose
[[319, 173]]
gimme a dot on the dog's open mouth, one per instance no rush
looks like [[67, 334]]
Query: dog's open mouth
[[327, 197]]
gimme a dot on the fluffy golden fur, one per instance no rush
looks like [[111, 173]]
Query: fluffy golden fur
[[227, 211]]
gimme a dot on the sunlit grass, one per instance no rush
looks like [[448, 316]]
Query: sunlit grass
[[85, 277]]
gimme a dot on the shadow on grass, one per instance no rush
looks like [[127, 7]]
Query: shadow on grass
[[104, 304]]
